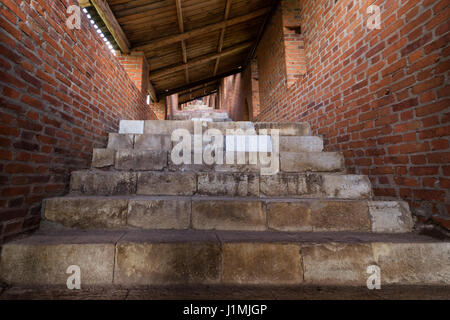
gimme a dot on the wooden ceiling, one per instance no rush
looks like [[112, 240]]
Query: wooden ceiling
[[189, 44]]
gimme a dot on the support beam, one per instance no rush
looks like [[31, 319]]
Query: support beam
[[183, 43], [152, 92], [163, 72], [183, 98], [112, 24], [200, 82], [200, 31], [222, 35]]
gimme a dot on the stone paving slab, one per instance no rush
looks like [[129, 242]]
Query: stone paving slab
[[138, 258]]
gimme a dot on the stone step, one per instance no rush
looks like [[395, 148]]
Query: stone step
[[159, 142], [285, 129], [143, 258], [166, 127], [313, 185], [218, 213], [255, 162]]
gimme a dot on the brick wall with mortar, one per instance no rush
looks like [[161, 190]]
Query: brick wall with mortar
[[137, 68], [62, 91], [380, 96]]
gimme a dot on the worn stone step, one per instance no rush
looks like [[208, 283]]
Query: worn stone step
[[167, 126], [285, 129], [313, 185], [142, 258], [219, 213], [210, 159], [159, 142]]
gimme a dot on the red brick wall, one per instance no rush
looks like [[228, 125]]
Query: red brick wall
[[380, 96], [159, 109], [293, 41], [62, 91], [136, 66], [255, 89]]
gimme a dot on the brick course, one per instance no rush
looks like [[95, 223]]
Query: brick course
[[62, 91], [379, 96]]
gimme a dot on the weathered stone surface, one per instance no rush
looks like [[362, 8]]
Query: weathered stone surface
[[319, 216], [413, 263], [390, 216], [140, 160], [87, 213], [242, 162], [120, 141], [159, 214], [131, 127], [316, 185], [286, 129], [228, 215], [336, 264], [261, 263], [301, 144], [311, 161], [247, 126], [291, 185], [37, 261], [103, 158], [157, 142], [139, 264], [166, 127], [347, 186], [228, 184], [103, 183], [166, 183], [203, 167]]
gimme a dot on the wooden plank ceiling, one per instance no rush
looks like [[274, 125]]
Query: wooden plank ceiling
[[189, 44]]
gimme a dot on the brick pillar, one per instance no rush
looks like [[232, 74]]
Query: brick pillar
[[171, 105], [135, 64], [294, 45]]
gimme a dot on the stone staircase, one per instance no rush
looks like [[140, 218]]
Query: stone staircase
[[201, 112], [137, 219]]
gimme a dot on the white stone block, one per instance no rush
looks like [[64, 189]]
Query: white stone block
[[248, 143], [131, 127]]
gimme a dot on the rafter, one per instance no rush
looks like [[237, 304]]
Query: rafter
[[222, 35], [152, 92], [201, 92], [162, 72], [111, 23], [200, 31], [199, 82], [183, 43]]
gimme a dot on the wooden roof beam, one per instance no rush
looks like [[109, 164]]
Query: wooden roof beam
[[183, 98], [222, 35], [199, 82], [165, 71], [200, 31], [111, 23], [183, 43]]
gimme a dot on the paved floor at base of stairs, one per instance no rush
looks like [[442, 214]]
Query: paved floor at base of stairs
[[230, 293]]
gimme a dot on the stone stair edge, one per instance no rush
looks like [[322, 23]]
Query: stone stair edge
[[208, 213], [137, 258], [75, 236]]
